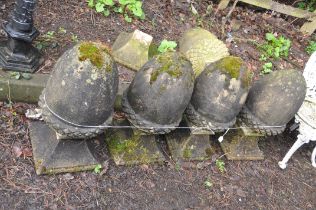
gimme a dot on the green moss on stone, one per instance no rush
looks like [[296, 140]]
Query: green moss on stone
[[169, 63], [235, 68], [129, 150], [187, 152], [94, 53], [230, 65]]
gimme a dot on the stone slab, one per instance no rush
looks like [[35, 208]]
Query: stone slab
[[21, 90], [185, 146], [132, 49], [130, 147], [28, 91], [242, 145], [53, 156]]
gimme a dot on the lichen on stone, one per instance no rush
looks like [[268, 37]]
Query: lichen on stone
[[98, 54], [235, 68], [169, 63], [187, 152], [129, 150]]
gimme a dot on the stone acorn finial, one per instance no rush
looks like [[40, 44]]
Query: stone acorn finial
[[81, 91], [273, 101], [201, 48], [159, 93], [219, 93]]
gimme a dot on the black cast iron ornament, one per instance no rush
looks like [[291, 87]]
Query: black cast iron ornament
[[17, 53]]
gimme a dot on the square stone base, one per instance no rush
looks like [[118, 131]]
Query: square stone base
[[56, 156], [129, 146], [242, 145], [185, 146]]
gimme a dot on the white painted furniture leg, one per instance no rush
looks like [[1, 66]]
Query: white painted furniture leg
[[314, 158], [299, 142]]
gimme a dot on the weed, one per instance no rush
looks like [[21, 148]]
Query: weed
[[220, 165], [166, 45], [266, 68], [97, 169], [126, 7], [311, 47], [208, 183], [309, 5], [74, 38], [275, 47], [18, 75]]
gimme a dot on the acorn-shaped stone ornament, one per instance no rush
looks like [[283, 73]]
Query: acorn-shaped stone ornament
[[159, 93], [81, 91], [273, 101], [219, 94], [202, 48]]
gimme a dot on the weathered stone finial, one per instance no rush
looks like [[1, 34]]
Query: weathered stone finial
[[273, 101], [220, 92], [159, 93]]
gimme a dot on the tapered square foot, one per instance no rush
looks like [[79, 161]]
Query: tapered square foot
[[185, 146], [242, 145], [56, 156], [131, 147], [27, 63]]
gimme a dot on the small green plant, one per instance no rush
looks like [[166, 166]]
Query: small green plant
[[129, 8], [275, 47], [267, 68], [208, 183], [97, 169], [166, 45], [19, 75], [309, 5], [311, 47], [74, 38], [220, 165]]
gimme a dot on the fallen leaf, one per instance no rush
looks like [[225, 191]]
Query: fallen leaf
[[17, 151], [27, 152]]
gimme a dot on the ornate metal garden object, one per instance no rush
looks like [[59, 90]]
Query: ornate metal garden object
[[220, 92], [81, 91], [273, 101], [202, 48], [17, 53], [159, 93], [306, 115]]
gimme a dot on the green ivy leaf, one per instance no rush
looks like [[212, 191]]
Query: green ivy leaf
[[127, 18], [270, 36], [166, 45], [99, 7], [106, 12], [109, 2], [90, 3]]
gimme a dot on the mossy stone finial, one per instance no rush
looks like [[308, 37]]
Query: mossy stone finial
[[93, 52], [170, 63]]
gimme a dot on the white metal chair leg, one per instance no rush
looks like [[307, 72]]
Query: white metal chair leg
[[314, 158], [299, 142]]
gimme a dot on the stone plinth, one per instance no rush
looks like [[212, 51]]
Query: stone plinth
[[53, 156], [242, 144], [131, 147], [189, 144]]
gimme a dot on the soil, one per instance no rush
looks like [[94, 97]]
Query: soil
[[191, 185]]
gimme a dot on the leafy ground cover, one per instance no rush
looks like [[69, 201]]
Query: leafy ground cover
[[214, 184]]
